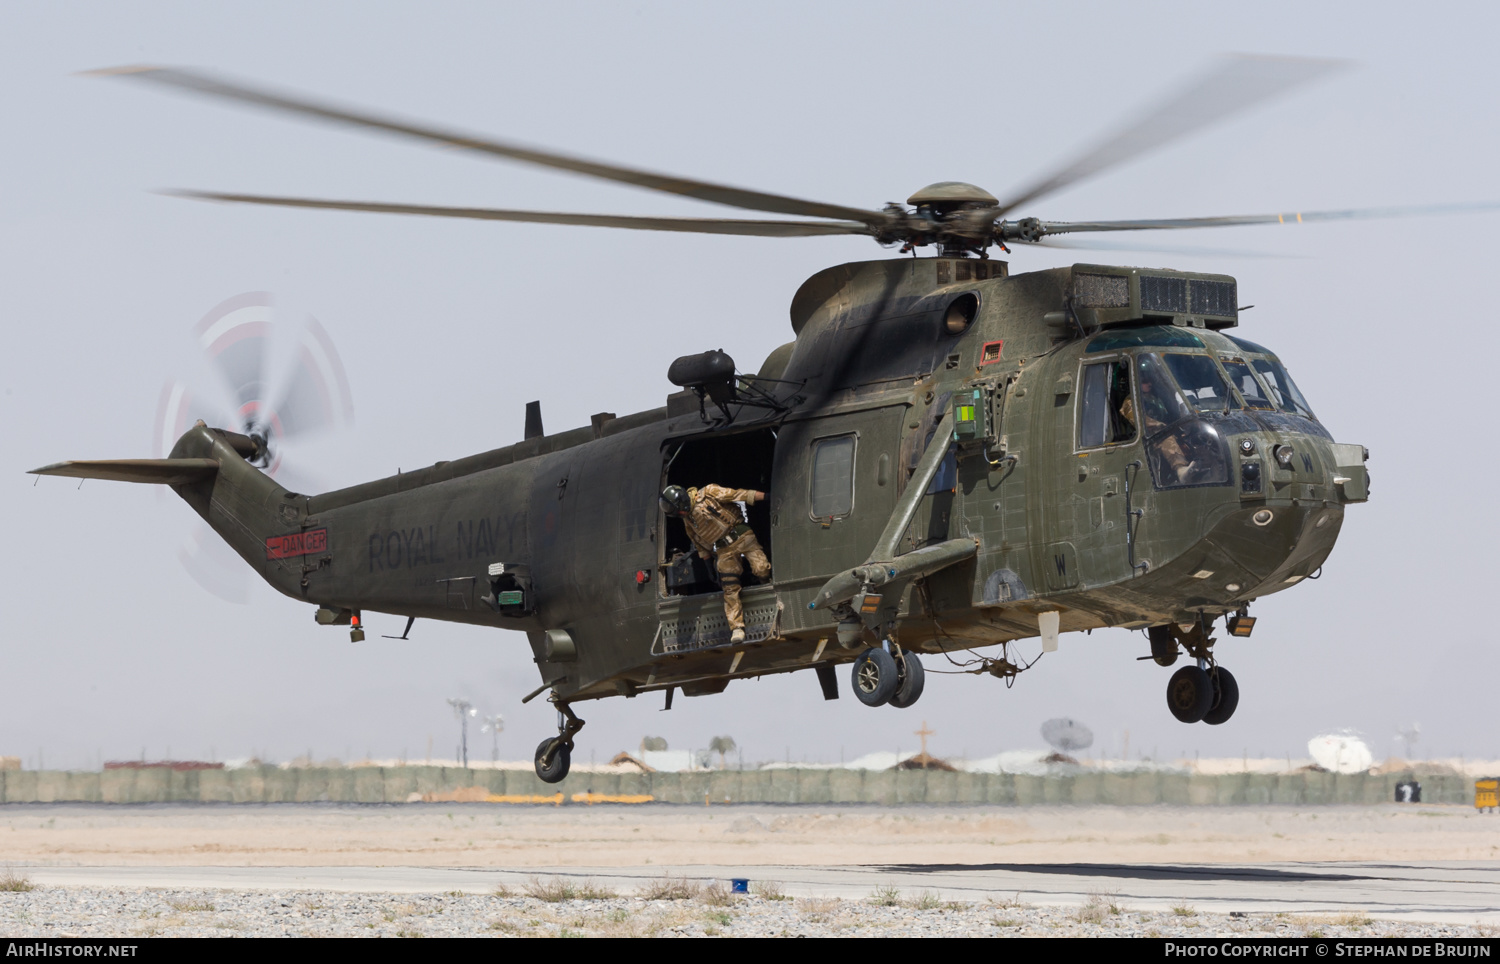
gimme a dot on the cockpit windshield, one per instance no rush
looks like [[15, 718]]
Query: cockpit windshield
[[1201, 383], [1283, 390], [1249, 386], [1284, 393]]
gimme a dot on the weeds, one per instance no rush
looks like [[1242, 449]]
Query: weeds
[[555, 890], [885, 897], [672, 888], [768, 890], [720, 917], [817, 906], [502, 890], [1094, 911], [1183, 910], [12, 881], [926, 900], [185, 907]]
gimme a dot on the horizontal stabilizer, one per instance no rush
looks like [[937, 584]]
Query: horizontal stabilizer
[[158, 471]]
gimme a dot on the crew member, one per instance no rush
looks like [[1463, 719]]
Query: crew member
[[718, 531]]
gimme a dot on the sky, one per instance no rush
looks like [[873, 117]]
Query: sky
[[447, 329]]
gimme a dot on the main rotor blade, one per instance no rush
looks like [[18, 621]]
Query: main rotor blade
[[767, 229], [1296, 217], [1237, 84], [203, 83]]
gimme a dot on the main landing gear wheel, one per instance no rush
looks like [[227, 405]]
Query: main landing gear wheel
[[910, 678], [1226, 696], [553, 770], [1190, 694], [875, 677]]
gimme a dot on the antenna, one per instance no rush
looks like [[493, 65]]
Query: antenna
[[1408, 735], [494, 726], [462, 709]]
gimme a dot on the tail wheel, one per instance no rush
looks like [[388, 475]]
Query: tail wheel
[[1226, 696], [1190, 694], [875, 677], [910, 678], [554, 770]]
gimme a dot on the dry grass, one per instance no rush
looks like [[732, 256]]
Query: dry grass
[[885, 897], [926, 900], [502, 891], [555, 890], [11, 881], [768, 890], [715, 894], [1183, 910], [817, 906], [188, 907], [1011, 903], [1095, 910], [672, 888]]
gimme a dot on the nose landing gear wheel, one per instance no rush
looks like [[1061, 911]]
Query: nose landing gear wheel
[[1226, 697], [1190, 694], [553, 770], [910, 678], [875, 677]]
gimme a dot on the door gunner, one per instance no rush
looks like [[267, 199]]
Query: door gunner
[[719, 532]]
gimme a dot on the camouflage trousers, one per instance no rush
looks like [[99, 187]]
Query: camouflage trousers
[[731, 568]]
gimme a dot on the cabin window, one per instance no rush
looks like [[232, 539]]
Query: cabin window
[[833, 477], [1250, 387], [1106, 412], [1201, 383]]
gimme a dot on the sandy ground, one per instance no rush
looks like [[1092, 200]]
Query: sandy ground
[[517, 837]]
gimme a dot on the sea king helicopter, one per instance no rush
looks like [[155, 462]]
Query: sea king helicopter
[[956, 457]]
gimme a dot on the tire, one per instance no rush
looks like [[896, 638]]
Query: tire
[[910, 678], [1190, 694], [561, 761], [1226, 697], [1163, 645], [875, 677]]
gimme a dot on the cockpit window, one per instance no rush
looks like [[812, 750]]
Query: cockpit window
[[1106, 414], [1283, 390], [1201, 383], [1161, 403], [1249, 386], [1182, 451]]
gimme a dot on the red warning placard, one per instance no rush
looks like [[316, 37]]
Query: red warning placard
[[297, 544]]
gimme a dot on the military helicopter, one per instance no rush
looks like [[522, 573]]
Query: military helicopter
[[956, 457]]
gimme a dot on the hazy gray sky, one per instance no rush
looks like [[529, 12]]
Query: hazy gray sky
[[448, 328]]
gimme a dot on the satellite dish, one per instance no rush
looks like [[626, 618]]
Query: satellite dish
[[1065, 735], [1342, 752]]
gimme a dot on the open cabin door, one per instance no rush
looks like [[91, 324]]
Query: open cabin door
[[690, 603]]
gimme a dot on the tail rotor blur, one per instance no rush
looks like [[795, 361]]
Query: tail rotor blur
[[266, 373]]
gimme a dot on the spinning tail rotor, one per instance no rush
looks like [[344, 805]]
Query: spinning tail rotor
[[275, 380]]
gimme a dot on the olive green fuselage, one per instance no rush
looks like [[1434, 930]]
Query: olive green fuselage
[[1116, 532]]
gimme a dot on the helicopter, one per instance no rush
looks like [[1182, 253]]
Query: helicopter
[[957, 457]]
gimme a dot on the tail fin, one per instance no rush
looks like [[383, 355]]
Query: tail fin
[[155, 471], [209, 471]]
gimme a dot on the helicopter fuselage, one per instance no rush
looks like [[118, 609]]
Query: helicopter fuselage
[[1113, 457]]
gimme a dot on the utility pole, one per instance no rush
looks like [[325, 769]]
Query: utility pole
[[462, 709]]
